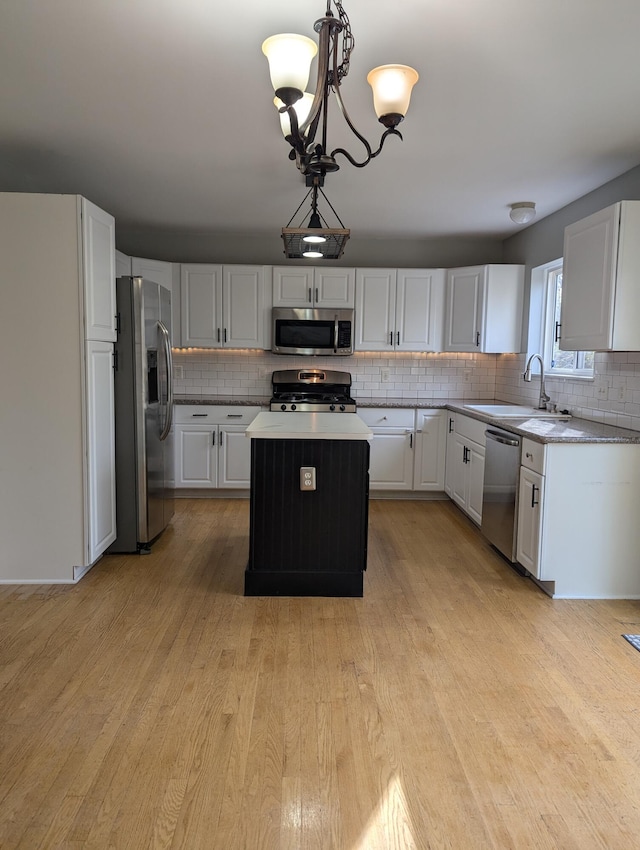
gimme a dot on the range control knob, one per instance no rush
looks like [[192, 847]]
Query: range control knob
[[283, 407], [332, 407], [293, 407], [342, 408]]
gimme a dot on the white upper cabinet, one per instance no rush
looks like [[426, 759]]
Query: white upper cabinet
[[99, 266], [156, 270], [224, 306], [484, 309], [308, 287], [123, 264], [601, 281], [399, 310]]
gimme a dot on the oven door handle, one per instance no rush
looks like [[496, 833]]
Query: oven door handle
[[335, 335]]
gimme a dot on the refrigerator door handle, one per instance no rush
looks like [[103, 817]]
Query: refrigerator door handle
[[164, 433]]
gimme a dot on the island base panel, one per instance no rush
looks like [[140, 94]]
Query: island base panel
[[314, 540], [302, 583]]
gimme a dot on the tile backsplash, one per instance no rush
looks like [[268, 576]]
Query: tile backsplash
[[374, 374], [613, 397]]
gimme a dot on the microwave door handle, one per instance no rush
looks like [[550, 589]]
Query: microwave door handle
[[335, 335]]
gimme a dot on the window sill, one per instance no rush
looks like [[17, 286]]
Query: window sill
[[556, 376]]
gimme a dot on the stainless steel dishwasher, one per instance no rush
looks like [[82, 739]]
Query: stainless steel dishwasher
[[499, 494]]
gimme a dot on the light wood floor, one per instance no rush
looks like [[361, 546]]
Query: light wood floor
[[455, 706]]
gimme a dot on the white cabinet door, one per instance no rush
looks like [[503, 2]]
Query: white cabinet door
[[464, 308], [450, 464], [430, 450], [458, 478], [375, 309], [99, 272], [419, 309], [484, 308], [391, 460], [530, 498], [155, 270], [196, 456], [308, 286], [475, 481], [293, 286], [465, 474], [234, 457], [101, 476], [243, 306], [201, 306], [334, 287]]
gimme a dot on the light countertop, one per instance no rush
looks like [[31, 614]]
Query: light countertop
[[574, 430], [308, 426]]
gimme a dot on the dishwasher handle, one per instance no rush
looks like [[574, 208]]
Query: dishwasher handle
[[502, 438]]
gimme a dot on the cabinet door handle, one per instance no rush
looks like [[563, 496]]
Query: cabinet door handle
[[477, 339], [225, 334], [397, 337], [465, 458], [213, 438], [557, 333], [234, 415], [390, 337], [534, 501], [411, 440], [218, 334], [118, 327], [310, 299], [450, 425], [316, 294], [196, 415]]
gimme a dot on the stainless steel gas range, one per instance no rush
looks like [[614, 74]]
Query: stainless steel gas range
[[312, 390]]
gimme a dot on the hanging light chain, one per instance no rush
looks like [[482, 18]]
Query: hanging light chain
[[348, 41]]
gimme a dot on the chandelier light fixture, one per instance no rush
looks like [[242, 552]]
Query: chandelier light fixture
[[317, 240], [303, 115]]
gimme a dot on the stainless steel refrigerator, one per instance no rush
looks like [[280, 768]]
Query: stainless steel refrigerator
[[144, 414]]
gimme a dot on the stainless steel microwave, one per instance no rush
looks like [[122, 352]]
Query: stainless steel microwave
[[307, 331]]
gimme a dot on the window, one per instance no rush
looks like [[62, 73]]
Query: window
[[546, 304]]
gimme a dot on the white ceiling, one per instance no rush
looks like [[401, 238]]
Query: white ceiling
[[161, 110]]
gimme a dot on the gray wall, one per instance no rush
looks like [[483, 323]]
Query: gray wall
[[266, 248], [543, 241]]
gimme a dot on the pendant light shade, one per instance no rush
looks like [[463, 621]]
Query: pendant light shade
[[301, 107], [392, 85], [290, 58], [306, 129]]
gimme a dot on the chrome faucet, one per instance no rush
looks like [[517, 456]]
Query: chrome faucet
[[544, 398]]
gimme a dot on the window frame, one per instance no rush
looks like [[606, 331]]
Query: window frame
[[542, 323]]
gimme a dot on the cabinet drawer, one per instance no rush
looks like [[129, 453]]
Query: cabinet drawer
[[387, 417], [472, 429], [216, 414], [533, 455]]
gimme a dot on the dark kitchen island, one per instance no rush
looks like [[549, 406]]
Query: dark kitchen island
[[309, 504]]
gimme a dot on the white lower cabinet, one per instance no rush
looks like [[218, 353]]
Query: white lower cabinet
[[430, 450], [464, 478], [530, 498], [391, 461], [578, 531], [408, 448], [211, 450]]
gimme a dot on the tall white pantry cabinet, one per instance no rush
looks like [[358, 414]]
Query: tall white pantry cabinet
[[57, 460]]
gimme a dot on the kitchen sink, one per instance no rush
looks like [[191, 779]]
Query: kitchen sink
[[514, 411]]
